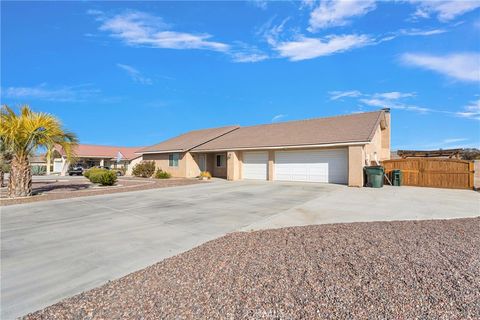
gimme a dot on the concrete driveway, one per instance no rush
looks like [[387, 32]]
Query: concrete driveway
[[55, 249]]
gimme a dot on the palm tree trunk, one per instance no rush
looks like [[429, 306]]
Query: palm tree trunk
[[20, 179], [2, 178]]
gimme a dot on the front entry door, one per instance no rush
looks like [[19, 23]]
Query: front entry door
[[202, 162]]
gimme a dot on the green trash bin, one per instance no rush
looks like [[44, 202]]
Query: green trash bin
[[397, 177], [374, 176]]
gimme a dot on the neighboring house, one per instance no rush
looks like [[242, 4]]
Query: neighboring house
[[331, 150], [38, 160], [88, 156]]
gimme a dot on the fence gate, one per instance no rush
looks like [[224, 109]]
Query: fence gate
[[436, 173]]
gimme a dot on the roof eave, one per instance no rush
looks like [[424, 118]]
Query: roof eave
[[160, 151], [302, 146]]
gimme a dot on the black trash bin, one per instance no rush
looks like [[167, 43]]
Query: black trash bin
[[374, 176]]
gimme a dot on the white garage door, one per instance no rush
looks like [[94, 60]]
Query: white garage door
[[255, 165], [57, 166], [329, 166]]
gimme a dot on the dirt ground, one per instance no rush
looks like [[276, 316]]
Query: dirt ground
[[377, 270], [53, 189]]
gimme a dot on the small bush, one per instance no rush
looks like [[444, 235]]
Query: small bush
[[5, 168], [39, 170], [160, 174], [94, 174], [107, 178], [205, 175], [102, 176], [88, 172], [144, 169]]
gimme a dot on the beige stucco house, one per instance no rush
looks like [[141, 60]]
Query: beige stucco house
[[329, 150]]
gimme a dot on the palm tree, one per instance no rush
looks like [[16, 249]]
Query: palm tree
[[5, 158], [22, 134]]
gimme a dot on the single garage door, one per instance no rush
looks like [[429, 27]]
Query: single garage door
[[329, 166], [255, 165]]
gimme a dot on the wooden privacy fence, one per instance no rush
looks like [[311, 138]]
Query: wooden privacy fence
[[437, 173]]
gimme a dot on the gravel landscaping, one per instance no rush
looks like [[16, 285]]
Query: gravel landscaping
[[63, 189], [378, 270]]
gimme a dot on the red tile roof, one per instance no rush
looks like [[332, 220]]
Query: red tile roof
[[96, 151]]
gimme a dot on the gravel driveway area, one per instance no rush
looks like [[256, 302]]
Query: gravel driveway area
[[377, 270]]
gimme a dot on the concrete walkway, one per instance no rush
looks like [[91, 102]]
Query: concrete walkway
[[54, 249]]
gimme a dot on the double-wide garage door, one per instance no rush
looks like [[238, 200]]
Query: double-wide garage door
[[330, 166]]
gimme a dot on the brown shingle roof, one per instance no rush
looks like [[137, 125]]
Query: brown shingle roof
[[340, 129], [188, 140]]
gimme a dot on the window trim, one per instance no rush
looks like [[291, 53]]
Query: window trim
[[224, 161]]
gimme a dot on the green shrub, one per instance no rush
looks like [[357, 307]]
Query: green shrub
[[39, 170], [5, 167], [107, 178], [88, 172], [160, 174], [102, 176], [144, 169]]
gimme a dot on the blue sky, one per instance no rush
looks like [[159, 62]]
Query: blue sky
[[136, 73]]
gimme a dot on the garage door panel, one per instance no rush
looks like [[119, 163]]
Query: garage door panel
[[329, 166], [255, 165]]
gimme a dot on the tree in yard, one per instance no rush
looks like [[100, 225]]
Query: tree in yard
[[24, 133], [5, 158]]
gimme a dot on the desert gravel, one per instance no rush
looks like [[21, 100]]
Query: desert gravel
[[379, 270]]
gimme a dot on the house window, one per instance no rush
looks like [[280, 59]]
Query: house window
[[173, 160], [220, 160]]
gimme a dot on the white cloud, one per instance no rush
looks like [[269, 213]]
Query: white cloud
[[335, 95], [243, 52], [134, 74], [278, 117], [420, 32], [42, 92], [393, 100], [272, 33], [308, 48], [460, 66], [248, 57], [394, 95], [388, 103], [262, 4], [332, 13], [142, 29], [453, 140], [471, 111], [445, 10], [307, 4]]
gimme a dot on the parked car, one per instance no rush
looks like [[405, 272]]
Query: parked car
[[76, 171]]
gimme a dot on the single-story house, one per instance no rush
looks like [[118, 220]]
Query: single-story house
[[331, 150], [88, 156], [38, 160]]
